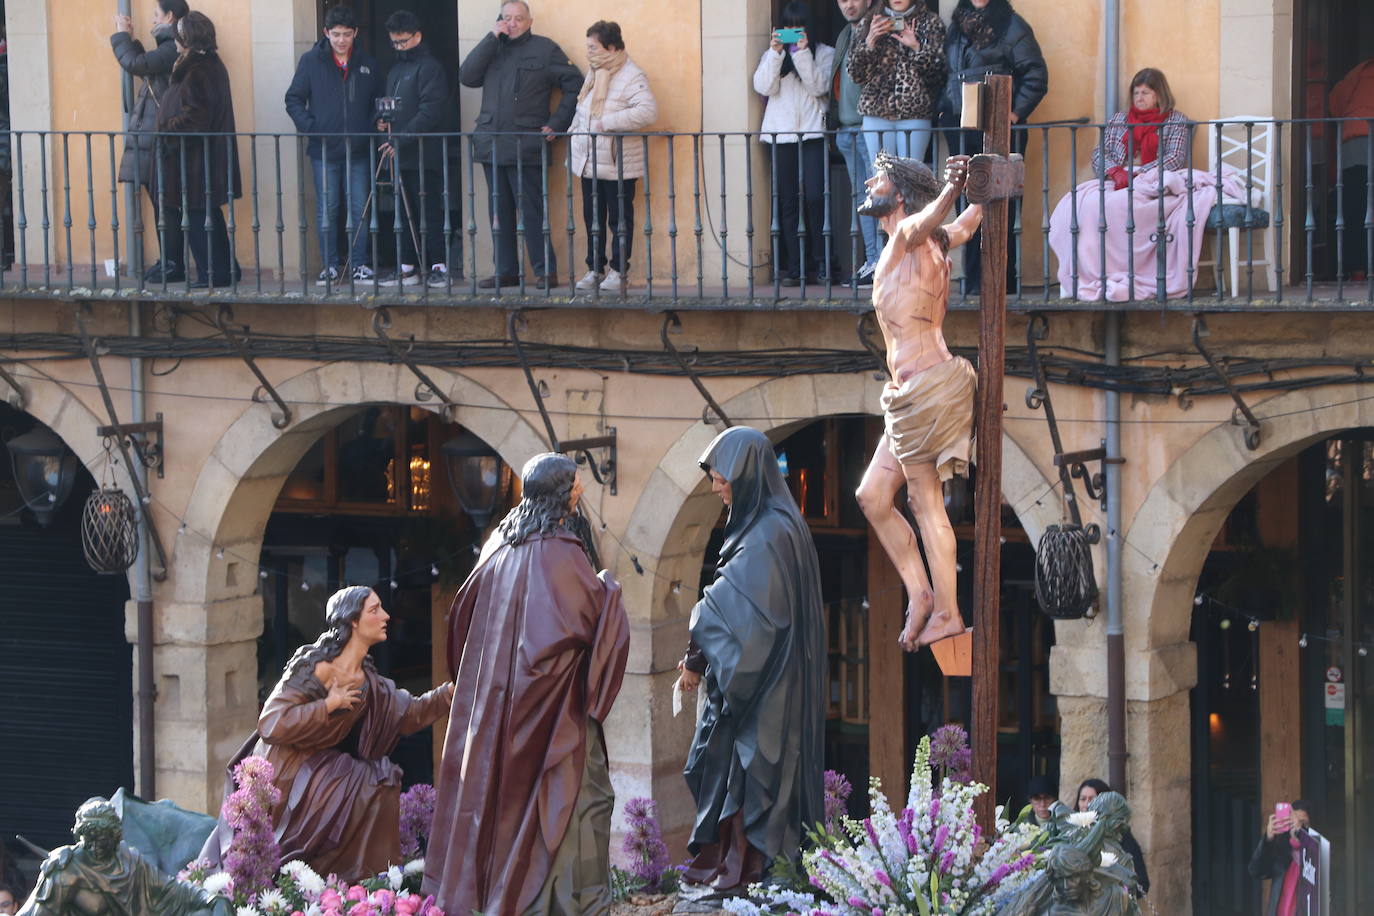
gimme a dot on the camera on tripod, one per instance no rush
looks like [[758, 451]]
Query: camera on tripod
[[388, 108]]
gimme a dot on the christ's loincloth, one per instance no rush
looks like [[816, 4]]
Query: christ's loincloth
[[929, 418]]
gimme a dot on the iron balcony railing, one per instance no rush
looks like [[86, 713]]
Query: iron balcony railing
[[1266, 214]]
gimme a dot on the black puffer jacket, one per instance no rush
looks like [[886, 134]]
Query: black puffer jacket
[[155, 66], [1014, 52], [321, 101], [426, 107], [517, 77]]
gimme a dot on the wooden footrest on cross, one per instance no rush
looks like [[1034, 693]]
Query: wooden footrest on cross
[[954, 654]]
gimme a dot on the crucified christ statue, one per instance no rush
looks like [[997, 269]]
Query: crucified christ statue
[[928, 403]]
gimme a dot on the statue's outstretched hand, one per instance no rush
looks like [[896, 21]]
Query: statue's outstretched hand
[[956, 171]]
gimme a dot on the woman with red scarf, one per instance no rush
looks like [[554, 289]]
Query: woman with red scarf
[[1151, 132]]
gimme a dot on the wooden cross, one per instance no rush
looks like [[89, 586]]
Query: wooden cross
[[994, 177]]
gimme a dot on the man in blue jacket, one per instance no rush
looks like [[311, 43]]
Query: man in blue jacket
[[332, 93], [517, 72]]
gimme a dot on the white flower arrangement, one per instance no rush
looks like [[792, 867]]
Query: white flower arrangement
[[415, 867], [217, 883], [924, 860], [1108, 859], [1082, 819]]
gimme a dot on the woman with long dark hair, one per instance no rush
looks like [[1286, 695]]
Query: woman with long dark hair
[[794, 77], [327, 729], [201, 167]]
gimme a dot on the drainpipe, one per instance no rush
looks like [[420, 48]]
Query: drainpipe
[[143, 587], [1116, 631]]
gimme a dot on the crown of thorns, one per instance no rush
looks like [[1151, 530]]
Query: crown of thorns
[[916, 182]]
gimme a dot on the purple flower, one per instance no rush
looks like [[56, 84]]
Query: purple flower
[[950, 752], [816, 883], [872, 834], [947, 861], [935, 807], [857, 901], [999, 873], [837, 792], [882, 877], [941, 836], [417, 816], [253, 857], [643, 844]]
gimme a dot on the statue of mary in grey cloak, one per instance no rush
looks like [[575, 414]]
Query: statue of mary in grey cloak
[[756, 767]]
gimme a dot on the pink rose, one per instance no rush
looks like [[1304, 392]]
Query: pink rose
[[363, 908], [356, 892], [330, 899], [409, 905], [383, 899]]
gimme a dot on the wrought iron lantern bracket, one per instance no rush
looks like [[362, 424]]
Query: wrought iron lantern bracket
[[1242, 415], [144, 438]]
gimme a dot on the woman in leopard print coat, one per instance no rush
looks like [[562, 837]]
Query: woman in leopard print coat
[[898, 58]]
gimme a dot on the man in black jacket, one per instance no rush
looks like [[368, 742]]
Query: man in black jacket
[[332, 93], [138, 163], [988, 36], [517, 72], [423, 105]]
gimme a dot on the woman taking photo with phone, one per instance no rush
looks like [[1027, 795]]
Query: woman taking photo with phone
[[898, 59], [794, 76], [1275, 857]]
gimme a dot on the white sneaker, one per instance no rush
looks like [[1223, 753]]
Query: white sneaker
[[611, 282], [589, 280], [363, 273], [327, 276], [406, 276]]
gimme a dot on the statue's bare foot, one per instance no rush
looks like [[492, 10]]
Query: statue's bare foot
[[941, 625], [917, 614]]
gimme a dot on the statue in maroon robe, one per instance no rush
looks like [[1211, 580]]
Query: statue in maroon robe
[[538, 643], [327, 729]]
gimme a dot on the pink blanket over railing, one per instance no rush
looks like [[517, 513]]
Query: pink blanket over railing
[[1140, 256]]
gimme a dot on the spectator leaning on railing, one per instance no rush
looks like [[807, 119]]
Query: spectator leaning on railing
[[615, 98], [138, 163], [795, 77], [198, 106], [332, 93], [517, 72], [424, 105], [899, 60], [988, 36]]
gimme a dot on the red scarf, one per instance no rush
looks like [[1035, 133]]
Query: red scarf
[[1145, 131]]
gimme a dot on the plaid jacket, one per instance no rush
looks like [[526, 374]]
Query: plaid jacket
[[1173, 145]]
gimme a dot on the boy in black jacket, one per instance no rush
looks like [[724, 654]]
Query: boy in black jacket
[[332, 93]]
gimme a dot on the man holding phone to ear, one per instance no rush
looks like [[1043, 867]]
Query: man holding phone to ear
[[517, 72], [1275, 857]]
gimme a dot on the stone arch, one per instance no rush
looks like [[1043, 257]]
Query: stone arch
[[1185, 508], [61, 409], [234, 493]]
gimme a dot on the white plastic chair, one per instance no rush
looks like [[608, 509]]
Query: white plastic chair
[[1250, 151]]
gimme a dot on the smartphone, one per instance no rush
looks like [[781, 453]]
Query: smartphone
[[1283, 812], [790, 36]]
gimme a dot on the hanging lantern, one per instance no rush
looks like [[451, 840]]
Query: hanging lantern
[[109, 531], [478, 476], [44, 471], [1064, 581]]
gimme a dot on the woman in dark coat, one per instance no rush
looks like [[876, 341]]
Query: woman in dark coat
[[988, 36], [756, 767], [199, 105], [138, 164]]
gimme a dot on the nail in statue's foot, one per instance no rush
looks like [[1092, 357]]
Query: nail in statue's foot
[[941, 625], [917, 615]]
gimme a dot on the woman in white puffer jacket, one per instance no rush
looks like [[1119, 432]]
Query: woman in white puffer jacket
[[615, 99], [795, 79]]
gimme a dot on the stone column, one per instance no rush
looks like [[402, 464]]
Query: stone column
[[1158, 772], [206, 663]]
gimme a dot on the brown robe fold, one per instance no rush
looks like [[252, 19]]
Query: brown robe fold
[[340, 805], [538, 644]]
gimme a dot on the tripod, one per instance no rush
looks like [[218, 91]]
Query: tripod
[[398, 187]]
